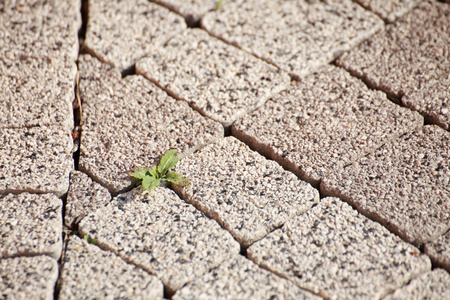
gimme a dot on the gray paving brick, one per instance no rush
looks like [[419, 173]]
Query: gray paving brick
[[121, 32], [297, 36], [389, 10], [323, 123], [243, 191], [439, 250], [84, 196], [130, 123], [35, 160], [162, 234], [431, 285], [90, 273], [30, 225], [219, 80], [335, 251], [240, 278], [410, 61], [191, 10], [28, 277], [404, 185]]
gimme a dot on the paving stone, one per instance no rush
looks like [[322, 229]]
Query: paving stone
[[35, 160], [119, 33], [297, 36], [83, 197], [240, 278], [323, 123], [28, 277], [30, 225], [439, 251], [405, 185], [130, 123], [410, 61], [90, 273], [336, 252], [432, 285], [243, 191], [162, 234], [191, 10], [389, 10], [219, 80]]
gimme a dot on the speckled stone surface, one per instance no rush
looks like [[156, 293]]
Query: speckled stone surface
[[389, 10], [129, 123], [431, 285], [28, 277], [90, 273], [335, 251], [30, 225], [243, 191], [297, 36], [439, 251], [404, 185], [84, 196], [240, 278], [35, 160], [219, 80], [191, 10], [410, 61], [162, 234], [323, 123], [121, 32]]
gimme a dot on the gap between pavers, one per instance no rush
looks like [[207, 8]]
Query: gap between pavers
[[336, 252], [162, 234], [90, 273], [191, 10], [439, 251], [404, 185], [389, 10]]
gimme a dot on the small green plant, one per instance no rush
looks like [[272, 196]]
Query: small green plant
[[88, 239], [219, 4], [151, 178]]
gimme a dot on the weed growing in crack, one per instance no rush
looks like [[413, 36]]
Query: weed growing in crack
[[88, 239]]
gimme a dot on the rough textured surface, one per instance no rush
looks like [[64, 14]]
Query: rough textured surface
[[219, 80], [121, 32], [243, 191], [35, 160], [30, 225], [432, 285], [191, 10], [405, 185], [162, 234], [84, 196], [130, 123], [389, 10], [335, 251], [297, 36], [28, 277], [326, 121], [90, 273], [240, 278], [410, 61], [439, 251]]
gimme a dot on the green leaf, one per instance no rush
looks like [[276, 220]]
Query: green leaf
[[219, 4], [88, 239], [149, 182], [154, 172], [168, 161], [176, 178], [140, 174]]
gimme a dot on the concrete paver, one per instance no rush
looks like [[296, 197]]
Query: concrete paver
[[90, 273], [35, 160], [439, 251], [28, 277], [243, 191], [335, 251], [84, 196], [30, 225], [119, 33], [297, 36], [191, 10], [161, 234], [389, 10], [323, 123], [240, 278], [219, 80], [405, 185], [410, 61], [431, 285], [129, 123]]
